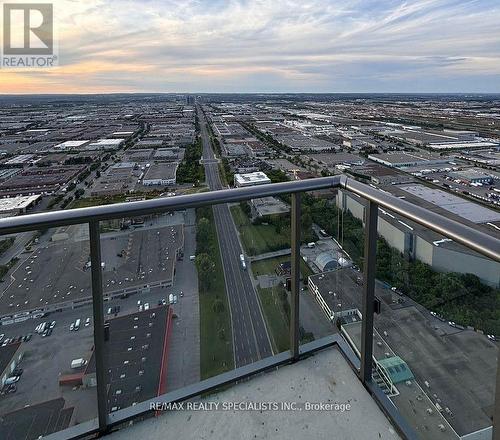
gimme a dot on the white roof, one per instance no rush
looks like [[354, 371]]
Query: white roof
[[70, 144], [14, 203], [108, 142], [249, 178]]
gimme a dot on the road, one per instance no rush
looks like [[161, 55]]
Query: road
[[250, 338]]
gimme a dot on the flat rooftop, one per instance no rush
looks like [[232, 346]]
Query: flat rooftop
[[323, 378], [251, 178], [457, 205], [17, 203], [459, 365], [161, 171], [134, 356]]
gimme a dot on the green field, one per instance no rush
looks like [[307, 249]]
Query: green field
[[274, 301], [259, 239], [216, 349], [268, 266], [276, 315]]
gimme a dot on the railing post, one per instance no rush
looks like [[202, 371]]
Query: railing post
[[98, 306], [295, 279], [496, 409], [369, 267]]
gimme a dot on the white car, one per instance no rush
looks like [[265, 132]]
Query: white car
[[11, 380], [146, 306], [87, 322], [72, 327]]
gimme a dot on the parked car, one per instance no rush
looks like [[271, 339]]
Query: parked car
[[52, 324], [8, 389], [12, 379], [72, 327], [87, 322], [17, 372]]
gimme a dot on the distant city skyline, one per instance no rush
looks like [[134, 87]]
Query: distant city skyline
[[201, 46]]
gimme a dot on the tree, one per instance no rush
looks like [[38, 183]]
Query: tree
[[206, 269], [203, 231]]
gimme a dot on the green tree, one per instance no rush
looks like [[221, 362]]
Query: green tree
[[206, 269]]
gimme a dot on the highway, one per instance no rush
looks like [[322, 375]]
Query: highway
[[250, 338]]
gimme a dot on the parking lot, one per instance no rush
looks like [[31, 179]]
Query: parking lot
[[46, 358]]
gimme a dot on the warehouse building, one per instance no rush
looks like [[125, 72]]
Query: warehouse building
[[403, 159], [251, 179], [417, 242], [472, 175], [266, 206], [161, 174], [11, 206]]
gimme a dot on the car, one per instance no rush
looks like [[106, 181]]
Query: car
[[139, 302], [163, 302], [28, 337], [49, 332], [433, 314], [451, 324], [110, 311], [9, 389], [2, 336], [12, 379], [182, 293], [52, 324], [72, 327], [140, 308], [87, 322], [146, 306], [17, 371], [160, 302], [492, 337]]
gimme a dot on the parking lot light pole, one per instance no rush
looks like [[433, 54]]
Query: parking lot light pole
[[295, 276], [98, 306], [369, 268]]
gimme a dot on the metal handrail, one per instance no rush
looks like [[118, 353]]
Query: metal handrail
[[479, 241], [42, 220], [484, 244]]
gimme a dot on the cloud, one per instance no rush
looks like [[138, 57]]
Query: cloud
[[281, 45]]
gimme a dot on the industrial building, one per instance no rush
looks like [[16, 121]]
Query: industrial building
[[405, 160], [250, 179], [105, 144], [472, 175], [11, 206], [417, 242], [70, 145], [161, 174], [267, 206]]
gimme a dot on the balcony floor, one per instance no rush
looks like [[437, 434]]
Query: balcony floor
[[325, 377]]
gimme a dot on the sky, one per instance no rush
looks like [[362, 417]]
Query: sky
[[280, 46]]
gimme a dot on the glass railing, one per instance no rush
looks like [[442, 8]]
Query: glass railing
[[188, 294]]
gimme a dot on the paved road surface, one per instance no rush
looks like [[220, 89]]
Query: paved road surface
[[250, 338]]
